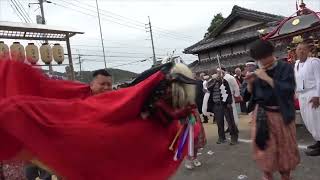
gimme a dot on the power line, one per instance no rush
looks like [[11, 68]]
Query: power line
[[24, 11], [125, 47], [116, 17], [92, 39], [109, 16], [98, 55], [126, 25], [126, 64], [18, 11], [119, 17], [133, 21], [100, 60], [79, 11], [116, 52], [170, 32], [16, 5]]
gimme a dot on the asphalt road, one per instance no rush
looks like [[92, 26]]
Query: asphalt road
[[230, 162]]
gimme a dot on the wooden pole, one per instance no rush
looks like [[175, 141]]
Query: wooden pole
[[152, 43], [101, 36], [70, 57]]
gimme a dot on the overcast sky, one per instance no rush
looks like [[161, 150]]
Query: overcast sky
[[177, 25]]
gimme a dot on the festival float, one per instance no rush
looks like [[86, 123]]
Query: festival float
[[303, 25]]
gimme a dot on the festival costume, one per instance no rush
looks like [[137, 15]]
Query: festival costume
[[235, 91], [273, 131], [86, 137], [12, 171], [19, 170]]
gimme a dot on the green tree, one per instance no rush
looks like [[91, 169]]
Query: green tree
[[216, 21]]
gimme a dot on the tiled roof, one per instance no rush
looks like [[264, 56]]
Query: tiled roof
[[216, 39], [223, 40]]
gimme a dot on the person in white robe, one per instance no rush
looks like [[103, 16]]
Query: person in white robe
[[206, 96], [235, 90], [307, 74]]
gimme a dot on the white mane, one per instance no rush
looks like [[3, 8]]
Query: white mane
[[182, 94]]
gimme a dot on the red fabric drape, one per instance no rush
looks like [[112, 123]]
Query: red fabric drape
[[81, 136]]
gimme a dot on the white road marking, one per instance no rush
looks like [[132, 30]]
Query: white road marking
[[302, 147]]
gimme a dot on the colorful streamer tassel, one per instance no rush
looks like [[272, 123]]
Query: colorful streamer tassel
[[182, 143], [171, 148]]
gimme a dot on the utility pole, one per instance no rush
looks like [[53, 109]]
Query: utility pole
[[151, 35], [0, 20], [80, 72], [104, 54], [42, 12], [43, 21]]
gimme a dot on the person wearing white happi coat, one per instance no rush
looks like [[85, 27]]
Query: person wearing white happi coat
[[235, 90], [307, 74], [206, 96]]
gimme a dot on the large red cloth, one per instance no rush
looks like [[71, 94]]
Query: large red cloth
[[81, 136]]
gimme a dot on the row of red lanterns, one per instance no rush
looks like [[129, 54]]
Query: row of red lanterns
[[31, 52]]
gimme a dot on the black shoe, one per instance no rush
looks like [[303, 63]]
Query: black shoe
[[227, 130], [234, 140], [314, 152], [314, 146], [221, 141]]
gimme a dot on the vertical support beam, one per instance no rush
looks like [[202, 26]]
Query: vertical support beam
[[42, 12], [70, 56], [43, 21], [80, 64], [101, 36], [151, 35], [0, 20]]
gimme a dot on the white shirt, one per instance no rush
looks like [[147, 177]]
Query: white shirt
[[205, 84], [307, 76], [234, 86]]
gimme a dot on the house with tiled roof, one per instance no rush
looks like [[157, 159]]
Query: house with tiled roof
[[230, 41]]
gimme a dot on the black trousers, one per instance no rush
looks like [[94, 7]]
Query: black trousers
[[243, 107], [221, 111], [1, 172], [205, 118], [33, 171]]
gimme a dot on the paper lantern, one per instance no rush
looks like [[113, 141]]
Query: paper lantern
[[17, 52], [32, 53], [58, 53], [4, 51], [46, 53]]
